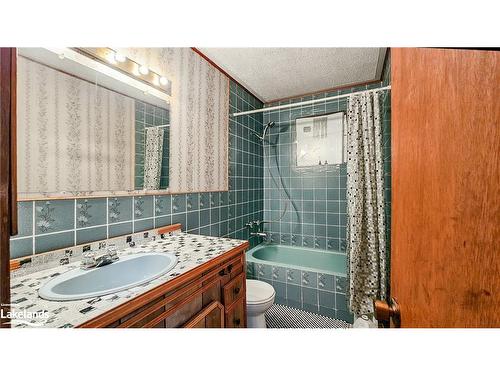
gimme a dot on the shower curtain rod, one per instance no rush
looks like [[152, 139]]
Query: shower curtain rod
[[327, 99]]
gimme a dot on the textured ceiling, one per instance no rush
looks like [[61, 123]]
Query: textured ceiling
[[276, 73]]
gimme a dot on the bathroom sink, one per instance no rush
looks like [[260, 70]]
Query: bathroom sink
[[129, 271]]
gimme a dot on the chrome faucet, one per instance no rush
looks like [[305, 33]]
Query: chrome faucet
[[255, 230], [88, 260], [262, 235], [256, 223], [91, 260]]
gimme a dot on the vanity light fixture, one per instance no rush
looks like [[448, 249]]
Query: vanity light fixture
[[119, 57], [111, 58], [115, 57], [157, 85], [135, 70]]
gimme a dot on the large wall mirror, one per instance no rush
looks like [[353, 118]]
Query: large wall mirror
[[90, 127]]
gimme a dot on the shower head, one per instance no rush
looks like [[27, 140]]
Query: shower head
[[261, 137], [270, 124]]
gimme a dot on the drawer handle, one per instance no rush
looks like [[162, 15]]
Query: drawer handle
[[236, 321], [229, 268], [236, 290], [222, 272]]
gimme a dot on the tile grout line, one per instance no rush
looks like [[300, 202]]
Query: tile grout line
[[154, 210], [133, 215]]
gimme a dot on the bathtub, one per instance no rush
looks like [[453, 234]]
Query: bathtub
[[308, 279]]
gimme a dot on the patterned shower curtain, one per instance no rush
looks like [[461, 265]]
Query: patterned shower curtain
[[366, 244], [153, 158]]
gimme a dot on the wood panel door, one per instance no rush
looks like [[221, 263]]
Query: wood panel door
[[445, 260], [8, 204]]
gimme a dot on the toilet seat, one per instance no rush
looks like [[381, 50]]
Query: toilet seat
[[259, 292]]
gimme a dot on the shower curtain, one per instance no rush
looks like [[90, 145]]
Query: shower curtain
[[366, 243], [153, 158]]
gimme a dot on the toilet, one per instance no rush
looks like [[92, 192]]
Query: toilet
[[260, 297]]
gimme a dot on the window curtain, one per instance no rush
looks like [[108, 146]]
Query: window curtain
[[153, 158], [366, 242]]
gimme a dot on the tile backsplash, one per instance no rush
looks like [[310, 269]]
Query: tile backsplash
[[53, 224]]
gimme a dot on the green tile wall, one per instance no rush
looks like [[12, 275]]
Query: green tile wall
[[318, 216], [49, 225]]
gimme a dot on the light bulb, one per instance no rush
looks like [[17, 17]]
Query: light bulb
[[111, 58], [143, 69], [119, 57], [163, 81]]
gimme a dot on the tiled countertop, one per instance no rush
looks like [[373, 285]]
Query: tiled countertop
[[191, 251]]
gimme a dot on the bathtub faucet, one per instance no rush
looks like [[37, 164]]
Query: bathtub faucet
[[262, 235], [255, 229], [256, 223]]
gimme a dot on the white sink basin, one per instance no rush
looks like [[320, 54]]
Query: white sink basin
[[129, 271]]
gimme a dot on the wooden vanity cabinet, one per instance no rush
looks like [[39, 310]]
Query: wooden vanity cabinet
[[211, 316], [212, 295]]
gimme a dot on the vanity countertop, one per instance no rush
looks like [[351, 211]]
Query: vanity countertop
[[191, 251]]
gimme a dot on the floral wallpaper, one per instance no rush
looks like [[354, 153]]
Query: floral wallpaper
[[73, 136], [199, 117]]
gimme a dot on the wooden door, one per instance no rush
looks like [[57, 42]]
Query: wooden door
[[445, 260], [8, 204]]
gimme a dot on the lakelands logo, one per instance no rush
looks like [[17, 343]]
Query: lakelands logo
[[22, 316]]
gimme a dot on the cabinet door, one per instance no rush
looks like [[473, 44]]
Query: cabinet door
[[235, 316], [234, 289], [211, 316]]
